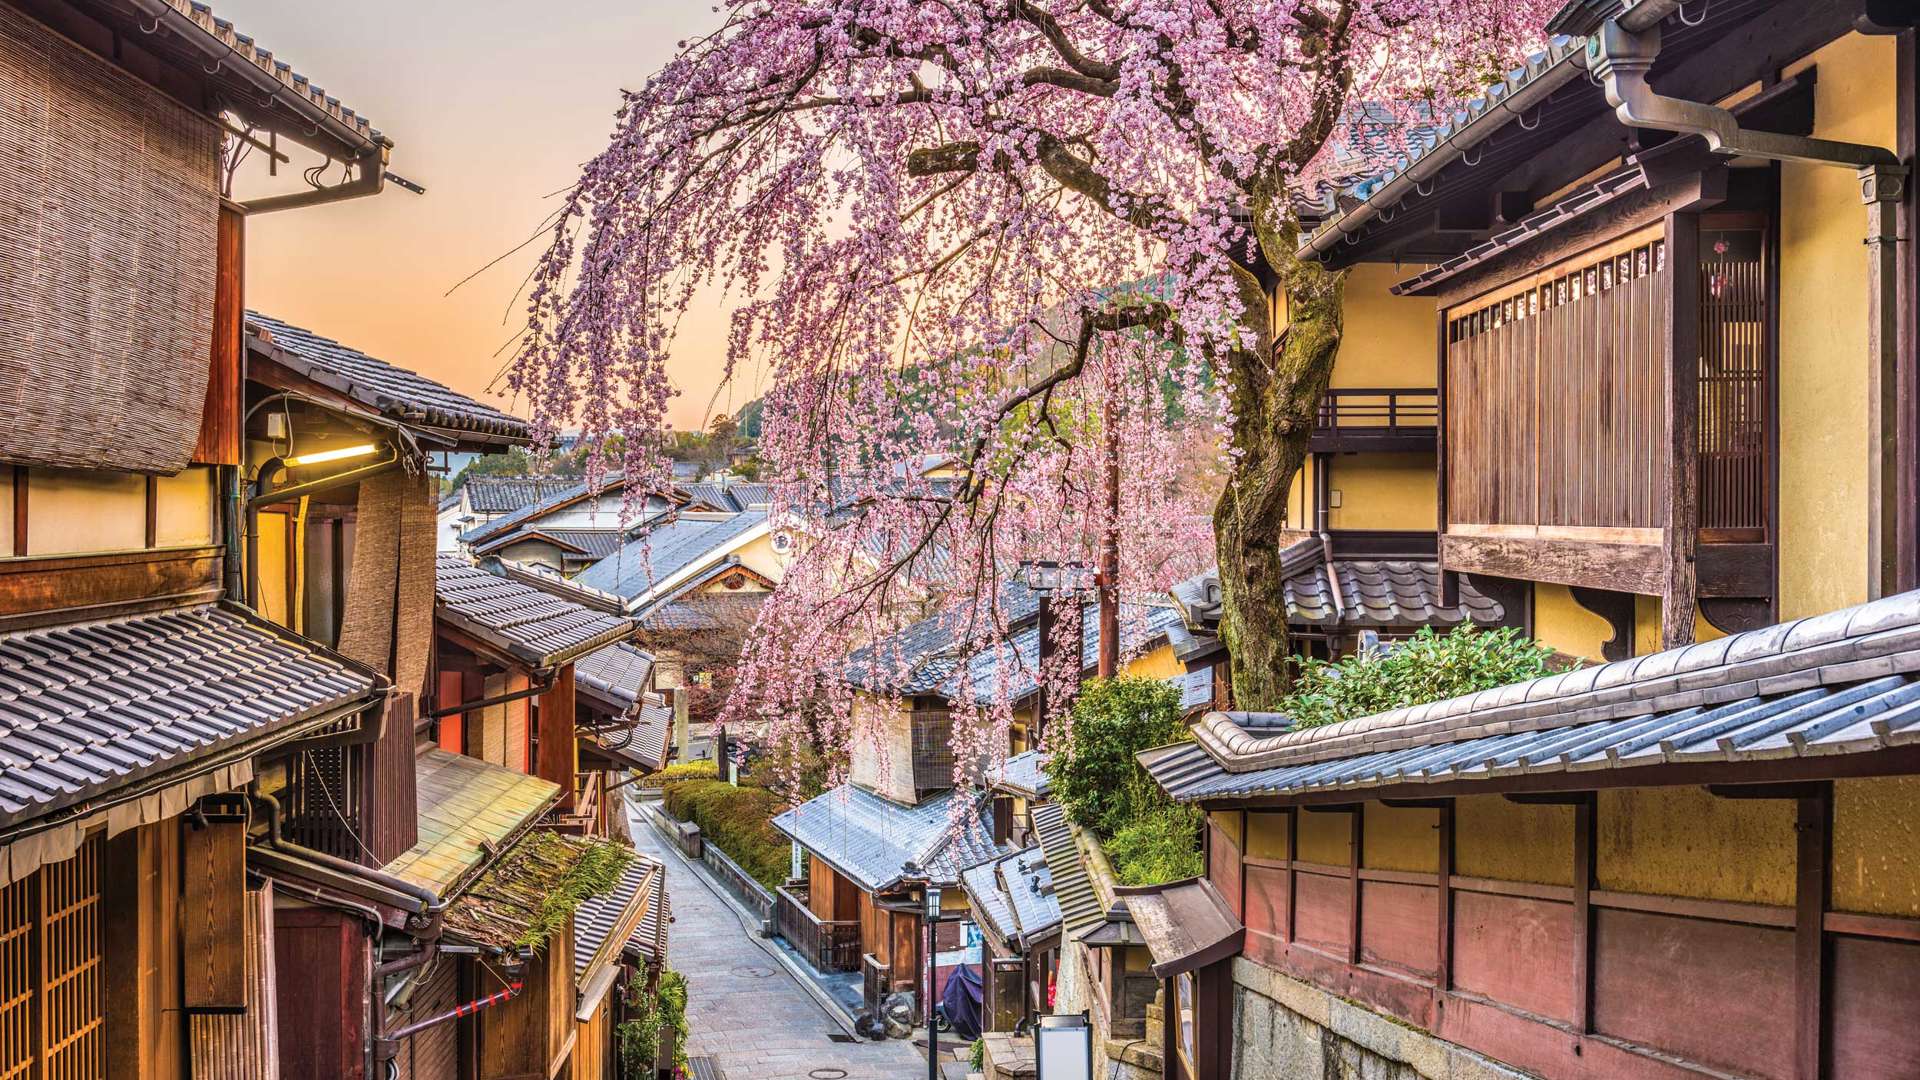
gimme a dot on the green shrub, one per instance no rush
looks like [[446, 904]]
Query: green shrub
[[977, 1056], [1095, 777], [650, 1010], [1161, 843], [681, 770], [737, 820], [1426, 667]]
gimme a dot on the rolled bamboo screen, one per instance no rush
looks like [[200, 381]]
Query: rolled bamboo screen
[[108, 214]]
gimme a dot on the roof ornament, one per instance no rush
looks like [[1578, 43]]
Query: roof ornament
[[1681, 12], [218, 66], [1386, 218]]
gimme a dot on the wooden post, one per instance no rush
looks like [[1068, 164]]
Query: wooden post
[[559, 754], [1813, 890], [1583, 843], [1353, 872], [1449, 581], [1443, 897], [1907, 438], [1882, 189], [1681, 495], [1293, 861]]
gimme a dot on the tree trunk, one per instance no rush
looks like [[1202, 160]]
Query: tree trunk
[[1277, 384]]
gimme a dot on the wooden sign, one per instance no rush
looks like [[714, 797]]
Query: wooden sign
[[213, 912]]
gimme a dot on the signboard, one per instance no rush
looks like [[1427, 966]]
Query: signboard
[[1196, 687], [1063, 1048]]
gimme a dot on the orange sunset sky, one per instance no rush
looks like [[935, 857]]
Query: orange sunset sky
[[492, 106]]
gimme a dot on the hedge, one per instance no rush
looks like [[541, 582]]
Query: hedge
[[681, 770], [738, 820]]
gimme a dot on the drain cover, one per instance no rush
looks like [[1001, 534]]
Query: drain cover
[[828, 1074], [841, 1037], [751, 972]]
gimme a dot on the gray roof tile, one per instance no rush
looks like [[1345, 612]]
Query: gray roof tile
[[643, 881], [531, 624], [86, 709], [1073, 892], [666, 549], [395, 392], [878, 843], [504, 494]]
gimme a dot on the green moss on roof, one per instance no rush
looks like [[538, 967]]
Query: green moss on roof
[[527, 897]]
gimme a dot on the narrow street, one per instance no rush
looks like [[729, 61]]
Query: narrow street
[[745, 1011]]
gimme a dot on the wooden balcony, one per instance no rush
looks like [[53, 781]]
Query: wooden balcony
[[826, 944], [1377, 420]]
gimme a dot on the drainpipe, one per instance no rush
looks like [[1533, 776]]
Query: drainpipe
[[426, 902], [1620, 55]]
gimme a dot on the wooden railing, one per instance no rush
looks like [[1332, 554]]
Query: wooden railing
[[1382, 418], [584, 818], [875, 977], [826, 944]]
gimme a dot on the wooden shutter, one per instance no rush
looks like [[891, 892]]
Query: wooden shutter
[[213, 913], [52, 1015]]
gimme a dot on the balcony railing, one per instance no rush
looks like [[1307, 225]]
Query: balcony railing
[[1379, 419], [828, 945]]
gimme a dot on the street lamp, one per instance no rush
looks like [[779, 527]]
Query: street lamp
[[933, 961]]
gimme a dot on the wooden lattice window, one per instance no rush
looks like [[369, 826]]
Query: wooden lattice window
[[51, 979], [932, 748], [1735, 399]]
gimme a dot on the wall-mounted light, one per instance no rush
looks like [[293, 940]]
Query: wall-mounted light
[[340, 454]]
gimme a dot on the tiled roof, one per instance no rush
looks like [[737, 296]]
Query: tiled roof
[[585, 543], [1008, 669], [466, 807], [1429, 149], [1025, 773], [395, 392], [616, 675], [98, 706], [1186, 925], [878, 843], [320, 108], [1840, 683], [642, 743], [1374, 594], [504, 494], [919, 657], [706, 611], [637, 904], [751, 496], [528, 623], [1015, 894], [1080, 908], [667, 549], [513, 903]]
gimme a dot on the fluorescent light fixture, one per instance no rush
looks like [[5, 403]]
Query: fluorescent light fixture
[[340, 454]]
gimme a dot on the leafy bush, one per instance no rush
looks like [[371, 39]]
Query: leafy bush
[[1095, 777], [977, 1056], [1159, 844], [639, 1035], [681, 770], [738, 820], [1426, 667]]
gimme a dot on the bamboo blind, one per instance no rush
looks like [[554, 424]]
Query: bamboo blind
[[52, 997], [245, 1045], [108, 218]]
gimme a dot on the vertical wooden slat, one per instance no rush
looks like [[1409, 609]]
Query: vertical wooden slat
[[1443, 893], [20, 510], [1353, 896], [1813, 895], [1293, 875], [213, 916]]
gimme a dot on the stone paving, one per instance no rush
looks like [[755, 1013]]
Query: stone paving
[[743, 1009]]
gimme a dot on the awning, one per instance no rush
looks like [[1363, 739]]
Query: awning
[[1186, 925]]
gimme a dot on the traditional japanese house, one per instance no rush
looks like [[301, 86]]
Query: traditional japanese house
[[505, 660], [1665, 255], [619, 942], [141, 699], [623, 725], [1012, 902], [572, 527], [481, 499], [1681, 865]]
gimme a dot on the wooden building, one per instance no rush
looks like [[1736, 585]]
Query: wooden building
[[146, 700]]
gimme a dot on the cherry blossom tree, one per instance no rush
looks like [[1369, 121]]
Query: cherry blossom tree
[[1007, 234]]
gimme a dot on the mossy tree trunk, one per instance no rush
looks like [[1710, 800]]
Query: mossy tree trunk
[[1279, 377]]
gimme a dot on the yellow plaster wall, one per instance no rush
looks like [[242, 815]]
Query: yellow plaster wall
[[1399, 838], [1823, 337], [1508, 841], [1326, 838], [272, 574], [1266, 835], [1157, 663], [71, 511], [1876, 845], [1384, 491], [1559, 623], [183, 508], [759, 556], [1228, 821], [1388, 340], [1682, 841]]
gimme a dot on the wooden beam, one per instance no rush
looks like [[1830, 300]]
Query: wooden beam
[[19, 510], [1293, 874], [1680, 490], [1807, 790], [1449, 580], [1625, 567], [559, 751], [1907, 121], [1549, 798], [1812, 897], [152, 512], [1617, 609], [1354, 844]]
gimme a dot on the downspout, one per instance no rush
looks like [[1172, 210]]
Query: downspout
[[430, 904], [1620, 55]]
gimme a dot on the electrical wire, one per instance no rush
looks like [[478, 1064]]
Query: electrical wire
[[315, 772]]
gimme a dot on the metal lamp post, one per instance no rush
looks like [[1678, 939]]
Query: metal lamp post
[[933, 962]]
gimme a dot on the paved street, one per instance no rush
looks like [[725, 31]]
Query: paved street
[[744, 1010]]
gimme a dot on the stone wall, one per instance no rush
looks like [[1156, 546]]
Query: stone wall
[[1285, 1029]]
